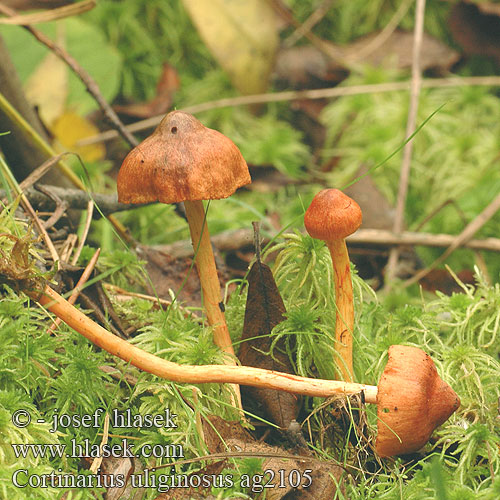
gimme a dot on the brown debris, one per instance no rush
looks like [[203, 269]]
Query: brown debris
[[476, 29], [264, 310]]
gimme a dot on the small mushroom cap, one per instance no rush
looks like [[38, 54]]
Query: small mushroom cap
[[412, 401], [181, 160], [332, 215]]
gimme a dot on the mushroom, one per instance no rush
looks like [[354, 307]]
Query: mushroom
[[182, 160], [412, 400], [331, 217]]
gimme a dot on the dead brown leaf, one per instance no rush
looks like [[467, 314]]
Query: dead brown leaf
[[397, 51], [476, 29], [168, 84], [442, 280], [305, 66], [218, 432], [169, 273], [201, 493], [264, 310], [222, 436]]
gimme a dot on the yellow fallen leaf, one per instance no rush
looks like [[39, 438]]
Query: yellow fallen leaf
[[69, 128], [47, 88], [242, 36]]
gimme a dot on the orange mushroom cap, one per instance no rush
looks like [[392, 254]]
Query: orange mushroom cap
[[412, 400], [181, 160], [332, 215]]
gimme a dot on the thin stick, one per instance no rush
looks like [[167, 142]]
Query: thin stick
[[43, 197], [78, 288], [384, 35], [308, 24], [388, 238], [39, 172], [460, 239], [232, 240], [90, 84], [404, 178], [68, 246], [41, 228], [291, 95], [201, 374], [27, 206], [86, 229], [122, 294], [50, 14]]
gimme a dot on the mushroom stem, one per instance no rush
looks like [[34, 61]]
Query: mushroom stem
[[345, 308], [205, 264], [245, 375], [411, 398]]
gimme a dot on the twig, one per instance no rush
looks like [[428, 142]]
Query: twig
[[121, 294], [68, 246], [228, 241], [461, 239], [96, 464], [78, 288], [87, 80], [328, 49], [77, 199], [309, 23], [40, 171], [387, 238], [404, 178], [51, 14], [41, 228], [61, 207], [291, 95], [27, 206], [384, 35], [88, 220]]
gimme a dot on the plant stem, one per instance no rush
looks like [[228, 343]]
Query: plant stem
[[205, 263], [246, 375], [344, 323]]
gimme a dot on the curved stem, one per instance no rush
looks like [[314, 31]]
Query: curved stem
[[345, 307], [205, 264], [246, 375]]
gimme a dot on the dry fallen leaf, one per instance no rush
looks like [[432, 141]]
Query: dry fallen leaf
[[241, 35], [226, 437], [306, 66], [264, 310], [47, 88], [167, 85], [476, 29], [68, 128]]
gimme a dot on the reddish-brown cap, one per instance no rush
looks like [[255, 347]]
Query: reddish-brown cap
[[181, 160], [412, 401], [332, 215]]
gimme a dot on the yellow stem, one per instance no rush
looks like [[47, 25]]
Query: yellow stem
[[246, 375], [210, 285], [345, 308]]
